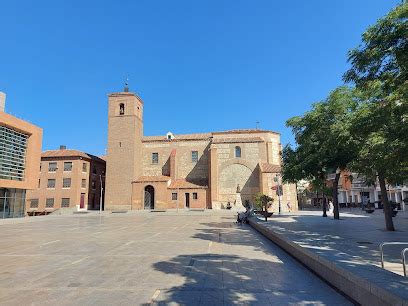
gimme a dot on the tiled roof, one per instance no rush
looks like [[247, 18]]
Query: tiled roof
[[183, 184], [244, 131], [181, 137], [269, 168], [202, 136], [157, 178], [235, 140], [65, 153]]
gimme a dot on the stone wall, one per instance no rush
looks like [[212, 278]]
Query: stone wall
[[195, 172]]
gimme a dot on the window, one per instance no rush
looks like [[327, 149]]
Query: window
[[67, 166], [49, 203], [51, 183], [121, 109], [174, 196], [52, 167], [194, 156], [237, 151], [66, 183], [94, 170], [39, 183], [83, 183], [155, 158], [34, 203], [65, 202], [84, 167], [195, 196], [13, 154], [93, 185]]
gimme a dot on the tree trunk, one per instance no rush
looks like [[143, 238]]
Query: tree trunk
[[324, 207], [389, 224], [336, 197]]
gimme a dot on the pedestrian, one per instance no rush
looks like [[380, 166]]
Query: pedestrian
[[331, 207]]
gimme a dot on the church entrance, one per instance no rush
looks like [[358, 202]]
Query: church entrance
[[149, 197]]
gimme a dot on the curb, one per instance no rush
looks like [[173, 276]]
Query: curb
[[361, 290]]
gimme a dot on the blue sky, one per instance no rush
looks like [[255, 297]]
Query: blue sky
[[199, 66]]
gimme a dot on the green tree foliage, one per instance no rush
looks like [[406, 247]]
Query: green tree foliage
[[263, 202], [324, 142], [380, 124]]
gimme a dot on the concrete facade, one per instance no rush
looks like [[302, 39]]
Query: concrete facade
[[206, 170], [20, 150], [70, 178]]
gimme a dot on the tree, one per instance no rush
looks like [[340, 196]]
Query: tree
[[263, 202], [380, 124], [324, 142]]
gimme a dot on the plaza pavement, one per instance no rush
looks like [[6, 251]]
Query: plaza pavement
[[193, 258], [351, 243]]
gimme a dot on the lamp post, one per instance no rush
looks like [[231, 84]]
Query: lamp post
[[101, 195], [278, 191]]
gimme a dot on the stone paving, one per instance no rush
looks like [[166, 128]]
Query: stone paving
[[194, 258], [350, 244], [355, 238]]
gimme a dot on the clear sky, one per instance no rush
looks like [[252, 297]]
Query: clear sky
[[199, 66]]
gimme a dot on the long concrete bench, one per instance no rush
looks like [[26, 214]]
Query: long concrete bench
[[365, 284]]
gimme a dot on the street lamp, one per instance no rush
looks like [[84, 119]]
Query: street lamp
[[278, 191], [101, 195]]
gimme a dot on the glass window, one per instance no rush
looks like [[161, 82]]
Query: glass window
[[49, 203], [174, 196], [195, 196], [66, 183], [83, 183], [51, 183], [65, 202], [155, 158], [84, 167], [194, 156], [237, 151], [13, 154], [52, 166], [34, 203], [67, 166]]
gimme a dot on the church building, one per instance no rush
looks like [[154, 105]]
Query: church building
[[193, 171]]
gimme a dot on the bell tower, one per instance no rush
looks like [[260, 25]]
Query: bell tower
[[125, 132]]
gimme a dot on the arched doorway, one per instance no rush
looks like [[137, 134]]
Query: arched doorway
[[149, 197]]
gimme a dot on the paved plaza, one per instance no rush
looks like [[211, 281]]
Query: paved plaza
[[354, 239], [195, 258], [346, 251]]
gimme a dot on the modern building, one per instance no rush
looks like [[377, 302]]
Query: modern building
[[205, 170], [353, 190], [20, 151], [69, 179]]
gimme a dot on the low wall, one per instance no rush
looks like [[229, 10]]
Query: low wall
[[363, 285]]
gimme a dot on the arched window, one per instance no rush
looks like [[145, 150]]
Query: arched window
[[121, 109], [237, 151]]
